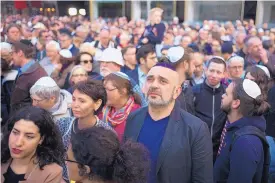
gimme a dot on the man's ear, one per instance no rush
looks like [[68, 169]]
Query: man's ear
[[177, 92], [236, 104], [142, 61]]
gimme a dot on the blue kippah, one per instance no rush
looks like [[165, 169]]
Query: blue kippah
[[166, 65]]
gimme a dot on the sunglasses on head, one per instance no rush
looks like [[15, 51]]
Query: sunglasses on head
[[87, 61]]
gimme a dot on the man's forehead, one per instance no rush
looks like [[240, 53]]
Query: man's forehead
[[163, 72], [236, 62]]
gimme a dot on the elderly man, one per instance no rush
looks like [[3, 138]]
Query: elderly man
[[101, 44], [198, 76], [235, 69], [178, 142], [112, 61], [46, 94], [104, 40], [83, 33], [256, 54], [52, 53]]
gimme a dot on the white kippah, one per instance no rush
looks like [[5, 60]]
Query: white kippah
[[66, 53], [251, 88], [265, 69], [122, 75], [6, 46], [174, 54], [46, 82]]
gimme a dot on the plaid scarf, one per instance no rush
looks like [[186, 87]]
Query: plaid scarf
[[113, 117]]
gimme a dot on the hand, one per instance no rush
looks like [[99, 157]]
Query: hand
[[58, 66], [263, 56], [144, 40]]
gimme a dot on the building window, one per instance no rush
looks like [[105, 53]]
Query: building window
[[222, 11]]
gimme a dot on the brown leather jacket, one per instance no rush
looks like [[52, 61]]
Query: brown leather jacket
[[21, 93]]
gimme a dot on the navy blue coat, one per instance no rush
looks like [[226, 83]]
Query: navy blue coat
[[185, 154], [134, 75], [74, 50], [244, 163]]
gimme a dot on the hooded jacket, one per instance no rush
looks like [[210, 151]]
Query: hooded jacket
[[244, 163], [207, 104], [63, 108]]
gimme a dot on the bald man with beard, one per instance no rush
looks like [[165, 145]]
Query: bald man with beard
[[179, 143]]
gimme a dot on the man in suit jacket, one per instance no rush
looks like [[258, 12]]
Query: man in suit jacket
[[179, 143], [66, 41], [147, 58]]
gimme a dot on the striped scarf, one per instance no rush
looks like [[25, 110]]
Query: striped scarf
[[113, 117]]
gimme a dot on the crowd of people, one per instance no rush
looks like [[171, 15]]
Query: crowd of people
[[135, 101]]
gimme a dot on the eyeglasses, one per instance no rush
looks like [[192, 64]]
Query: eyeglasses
[[107, 89], [79, 75], [237, 67], [37, 101], [86, 61]]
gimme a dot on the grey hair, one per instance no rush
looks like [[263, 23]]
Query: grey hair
[[53, 44], [45, 92], [235, 58]]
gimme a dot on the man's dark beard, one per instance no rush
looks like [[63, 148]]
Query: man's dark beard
[[188, 76], [226, 109]]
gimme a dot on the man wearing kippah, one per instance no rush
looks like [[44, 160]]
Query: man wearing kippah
[[243, 155], [179, 143]]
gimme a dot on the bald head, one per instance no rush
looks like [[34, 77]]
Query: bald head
[[104, 37], [166, 73], [162, 87], [254, 47]]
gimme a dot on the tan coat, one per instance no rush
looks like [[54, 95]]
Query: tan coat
[[50, 174]]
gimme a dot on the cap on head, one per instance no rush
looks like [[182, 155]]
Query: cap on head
[[66, 53], [251, 88], [165, 65], [39, 25], [265, 69], [122, 75], [46, 82], [174, 54], [112, 55], [6, 46]]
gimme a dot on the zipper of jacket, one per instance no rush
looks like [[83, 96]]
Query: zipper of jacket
[[213, 113]]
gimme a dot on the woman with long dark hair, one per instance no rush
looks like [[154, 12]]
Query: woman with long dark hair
[[32, 149], [103, 159]]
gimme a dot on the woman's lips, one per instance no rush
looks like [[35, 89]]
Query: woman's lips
[[16, 151]]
